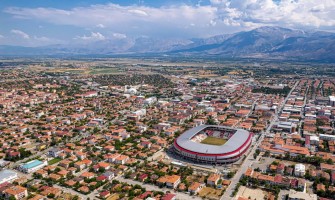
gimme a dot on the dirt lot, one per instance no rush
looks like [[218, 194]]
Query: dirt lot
[[253, 193], [210, 193], [113, 197], [193, 178]]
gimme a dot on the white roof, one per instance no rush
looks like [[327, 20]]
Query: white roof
[[236, 141], [2, 162], [326, 135], [6, 173], [299, 167], [314, 137]]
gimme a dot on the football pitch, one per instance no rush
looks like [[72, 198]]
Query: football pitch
[[213, 141]]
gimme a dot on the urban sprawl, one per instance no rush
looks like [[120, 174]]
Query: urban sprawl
[[153, 130]]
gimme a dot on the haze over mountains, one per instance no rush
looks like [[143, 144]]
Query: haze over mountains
[[265, 42]]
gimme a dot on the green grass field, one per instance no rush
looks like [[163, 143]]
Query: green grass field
[[214, 141], [53, 161]]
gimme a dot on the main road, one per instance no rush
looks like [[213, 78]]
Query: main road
[[249, 159]]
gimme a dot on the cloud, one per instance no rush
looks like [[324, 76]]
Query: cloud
[[288, 13], [100, 26], [95, 36], [138, 12], [131, 20], [1, 36], [42, 39], [186, 21], [21, 38], [20, 33], [119, 35]]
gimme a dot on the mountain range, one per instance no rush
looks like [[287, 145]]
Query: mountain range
[[264, 42]]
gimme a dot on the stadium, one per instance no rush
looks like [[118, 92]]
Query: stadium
[[212, 144]]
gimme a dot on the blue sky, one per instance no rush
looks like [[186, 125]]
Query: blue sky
[[48, 22]]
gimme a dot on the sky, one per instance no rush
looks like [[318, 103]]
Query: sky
[[50, 22]]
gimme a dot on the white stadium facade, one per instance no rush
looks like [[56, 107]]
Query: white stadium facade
[[188, 145]]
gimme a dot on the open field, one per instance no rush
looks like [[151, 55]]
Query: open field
[[210, 193], [257, 194], [54, 161], [104, 71], [78, 70], [213, 141]]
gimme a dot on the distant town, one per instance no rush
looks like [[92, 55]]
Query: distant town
[[156, 129]]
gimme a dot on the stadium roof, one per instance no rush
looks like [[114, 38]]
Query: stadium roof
[[234, 143]]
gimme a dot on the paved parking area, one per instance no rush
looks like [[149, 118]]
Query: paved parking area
[[263, 163]]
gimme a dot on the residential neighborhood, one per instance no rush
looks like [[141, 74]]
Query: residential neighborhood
[[112, 136]]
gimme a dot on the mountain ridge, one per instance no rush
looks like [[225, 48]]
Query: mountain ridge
[[264, 42]]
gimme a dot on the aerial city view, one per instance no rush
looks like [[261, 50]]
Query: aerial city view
[[167, 100]]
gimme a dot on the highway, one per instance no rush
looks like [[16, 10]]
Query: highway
[[249, 158]]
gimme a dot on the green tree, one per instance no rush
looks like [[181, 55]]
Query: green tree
[[230, 175], [211, 121]]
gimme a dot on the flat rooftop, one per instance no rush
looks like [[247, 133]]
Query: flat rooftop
[[6, 173]]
